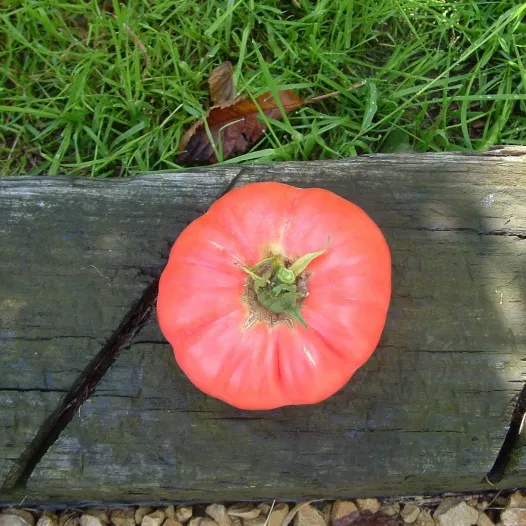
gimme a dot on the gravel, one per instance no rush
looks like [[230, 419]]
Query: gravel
[[488, 509]]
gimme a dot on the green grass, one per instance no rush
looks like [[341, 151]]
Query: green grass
[[105, 88]]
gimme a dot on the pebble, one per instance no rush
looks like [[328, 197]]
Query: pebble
[[140, 513], [90, 520], [12, 520], [484, 520], [171, 522], [219, 514], [264, 507], [153, 519], [49, 518], [391, 510], [410, 513], [24, 514], [257, 521], [515, 517], [202, 521], [368, 505], [243, 511], [102, 515], [122, 517], [344, 513], [279, 512], [425, 519], [169, 511], [452, 512], [68, 517], [308, 516], [183, 513]]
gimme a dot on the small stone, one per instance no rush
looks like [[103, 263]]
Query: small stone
[[140, 513], [344, 513], [517, 500], [257, 521], [308, 516], [481, 506], [68, 518], [122, 517], [171, 522], [24, 514], [102, 515], [89, 520], [264, 507], [452, 512], [219, 514], [183, 513], [169, 511], [410, 513], [8, 519], [202, 521], [243, 511], [391, 510], [425, 519], [49, 518], [445, 505], [484, 520], [368, 505], [153, 519], [279, 512], [514, 515]]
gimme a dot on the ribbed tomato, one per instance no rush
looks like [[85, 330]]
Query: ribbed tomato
[[243, 280]]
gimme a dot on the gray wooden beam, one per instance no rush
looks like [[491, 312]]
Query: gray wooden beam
[[429, 411]]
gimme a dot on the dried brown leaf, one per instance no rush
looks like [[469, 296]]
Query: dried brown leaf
[[234, 126], [221, 84]]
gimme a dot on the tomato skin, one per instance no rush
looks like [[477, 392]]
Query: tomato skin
[[202, 314]]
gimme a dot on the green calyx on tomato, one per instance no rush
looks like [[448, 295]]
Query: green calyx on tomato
[[276, 284]]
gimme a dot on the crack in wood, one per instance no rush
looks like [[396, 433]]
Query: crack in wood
[[507, 233], [86, 383], [511, 442], [82, 389]]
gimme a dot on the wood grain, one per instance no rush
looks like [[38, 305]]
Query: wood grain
[[427, 413]]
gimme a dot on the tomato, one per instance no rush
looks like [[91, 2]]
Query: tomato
[[261, 310]]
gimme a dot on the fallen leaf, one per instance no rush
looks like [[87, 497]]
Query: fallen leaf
[[234, 126], [221, 84]]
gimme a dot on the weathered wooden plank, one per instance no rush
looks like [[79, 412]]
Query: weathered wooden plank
[[428, 412], [74, 255]]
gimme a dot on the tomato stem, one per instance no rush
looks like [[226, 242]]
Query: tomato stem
[[276, 284]]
